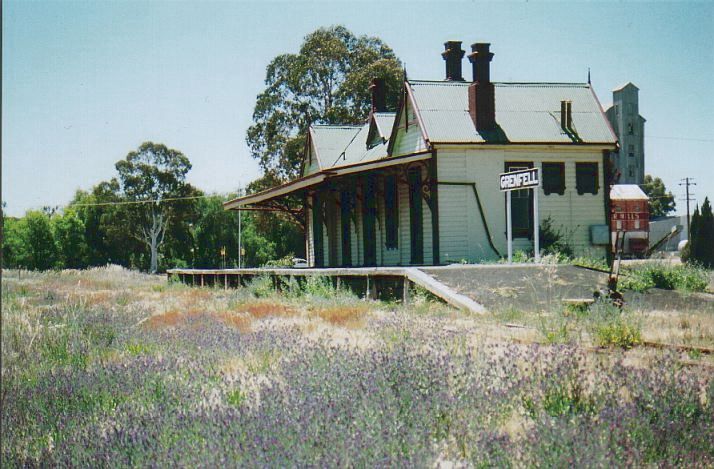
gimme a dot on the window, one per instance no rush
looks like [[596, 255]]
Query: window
[[586, 178], [630, 129], [631, 150], [631, 171], [554, 178], [391, 212]]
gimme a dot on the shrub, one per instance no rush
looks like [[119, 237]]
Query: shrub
[[553, 240], [659, 275], [286, 261], [612, 326], [261, 286]]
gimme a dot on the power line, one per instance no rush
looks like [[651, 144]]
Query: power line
[[134, 202], [681, 138]]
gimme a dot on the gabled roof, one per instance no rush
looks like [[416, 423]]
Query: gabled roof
[[629, 84], [339, 146], [330, 140], [525, 112]]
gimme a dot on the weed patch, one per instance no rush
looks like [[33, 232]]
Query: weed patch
[[685, 277], [342, 315]]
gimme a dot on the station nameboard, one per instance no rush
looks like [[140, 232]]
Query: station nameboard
[[521, 179]]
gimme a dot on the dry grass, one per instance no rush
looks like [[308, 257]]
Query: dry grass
[[194, 317], [351, 317], [240, 322], [267, 309]]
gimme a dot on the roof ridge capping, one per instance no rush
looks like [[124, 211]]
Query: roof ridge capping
[[504, 83], [335, 126]]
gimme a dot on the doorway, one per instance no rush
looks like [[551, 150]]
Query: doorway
[[416, 216], [521, 204]]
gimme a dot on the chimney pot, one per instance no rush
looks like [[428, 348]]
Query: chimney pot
[[452, 55], [379, 95]]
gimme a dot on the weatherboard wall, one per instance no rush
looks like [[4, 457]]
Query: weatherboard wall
[[462, 234], [408, 138]]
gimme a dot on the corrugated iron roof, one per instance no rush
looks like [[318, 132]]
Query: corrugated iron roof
[[345, 145], [525, 112], [331, 140]]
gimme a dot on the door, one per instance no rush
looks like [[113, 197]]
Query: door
[[317, 246], [521, 205], [346, 202], [416, 221], [369, 215], [331, 223]]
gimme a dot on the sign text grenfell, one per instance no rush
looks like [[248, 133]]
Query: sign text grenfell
[[528, 178], [521, 179]]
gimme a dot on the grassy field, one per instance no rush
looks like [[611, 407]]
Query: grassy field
[[108, 367]]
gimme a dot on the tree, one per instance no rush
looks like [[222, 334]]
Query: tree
[[218, 228], [661, 201], [36, 234], [150, 175], [14, 249], [68, 230], [325, 82], [700, 248]]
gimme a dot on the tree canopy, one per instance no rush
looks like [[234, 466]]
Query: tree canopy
[[661, 201], [154, 173], [325, 82], [700, 248]]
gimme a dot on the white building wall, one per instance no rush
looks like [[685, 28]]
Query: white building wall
[[459, 219]]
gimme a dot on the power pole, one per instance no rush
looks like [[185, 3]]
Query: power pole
[[688, 182], [240, 245]]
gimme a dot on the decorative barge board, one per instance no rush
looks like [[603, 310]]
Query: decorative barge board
[[374, 281]]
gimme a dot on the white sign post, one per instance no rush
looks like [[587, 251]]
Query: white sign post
[[517, 180]]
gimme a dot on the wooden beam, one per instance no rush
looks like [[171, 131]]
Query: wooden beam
[[442, 291]]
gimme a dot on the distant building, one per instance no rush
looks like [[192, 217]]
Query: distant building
[[629, 126]]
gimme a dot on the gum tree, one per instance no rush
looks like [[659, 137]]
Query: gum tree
[[147, 178], [326, 82]]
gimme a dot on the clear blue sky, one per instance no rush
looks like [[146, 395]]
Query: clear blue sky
[[84, 83]]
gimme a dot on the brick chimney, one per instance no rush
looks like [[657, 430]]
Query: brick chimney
[[482, 100], [379, 95], [452, 55]]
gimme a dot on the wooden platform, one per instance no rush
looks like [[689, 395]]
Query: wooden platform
[[374, 282]]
